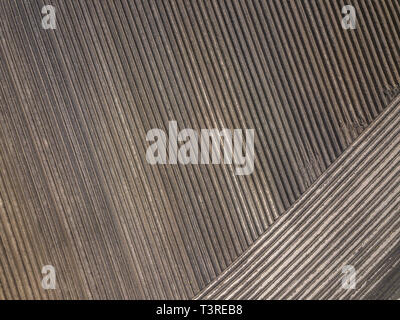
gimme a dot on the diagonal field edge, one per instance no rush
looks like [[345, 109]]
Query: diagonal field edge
[[377, 148]]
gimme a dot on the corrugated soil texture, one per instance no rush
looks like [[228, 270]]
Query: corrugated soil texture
[[348, 218], [76, 191]]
